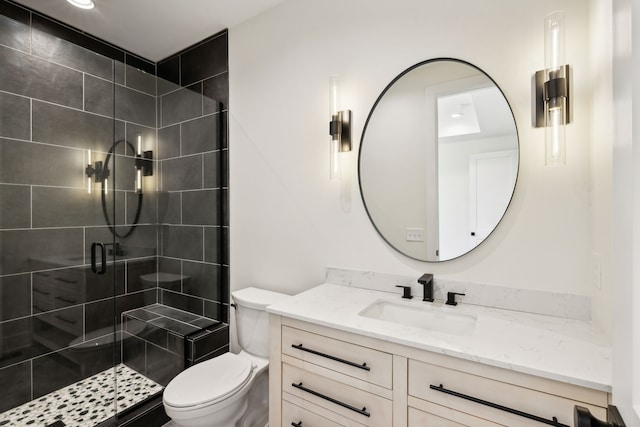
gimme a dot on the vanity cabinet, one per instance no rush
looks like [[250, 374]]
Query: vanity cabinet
[[321, 376]]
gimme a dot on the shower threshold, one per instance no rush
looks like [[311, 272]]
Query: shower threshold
[[85, 403]]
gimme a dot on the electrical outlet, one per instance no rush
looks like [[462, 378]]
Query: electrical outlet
[[415, 234]]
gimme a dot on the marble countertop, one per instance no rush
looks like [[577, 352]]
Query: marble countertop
[[566, 350]]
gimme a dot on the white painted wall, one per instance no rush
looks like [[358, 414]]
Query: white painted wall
[[289, 221]]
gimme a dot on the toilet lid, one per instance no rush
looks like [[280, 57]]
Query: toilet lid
[[208, 381]]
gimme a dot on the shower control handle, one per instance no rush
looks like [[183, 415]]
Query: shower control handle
[[103, 258]]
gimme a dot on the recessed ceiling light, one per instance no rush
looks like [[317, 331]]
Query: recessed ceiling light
[[83, 4]]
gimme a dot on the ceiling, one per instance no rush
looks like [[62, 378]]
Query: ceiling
[[153, 29]]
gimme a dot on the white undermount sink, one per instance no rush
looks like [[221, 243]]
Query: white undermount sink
[[429, 317]]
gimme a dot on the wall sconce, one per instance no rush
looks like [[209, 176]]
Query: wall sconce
[[552, 101], [339, 129], [143, 164], [98, 172], [95, 173]]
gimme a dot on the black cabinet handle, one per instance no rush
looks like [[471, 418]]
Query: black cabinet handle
[[38, 291], [362, 411], [68, 301], [328, 356], [298, 424], [552, 422], [71, 282], [65, 320], [103, 256]]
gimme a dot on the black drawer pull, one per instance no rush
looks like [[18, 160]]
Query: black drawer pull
[[71, 282], [71, 322], [68, 301], [552, 422], [298, 424], [328, 356], [362, 411], [38, 291]]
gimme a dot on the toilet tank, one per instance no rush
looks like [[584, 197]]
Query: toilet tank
[[252, 320]]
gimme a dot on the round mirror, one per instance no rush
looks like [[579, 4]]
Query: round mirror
[[438, 160]]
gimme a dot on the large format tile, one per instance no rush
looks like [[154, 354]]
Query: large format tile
[[63, 52], [13, 32], [27, 75], [46, 165], [182, 104], [29, 250], [98, 96], [182, 242], [16, 383], [15, 206], [204, 280], [15, 297], [57, 125], [184, 173], [204, 60], [15, 112], [134, 106], [201, 135], [201, 207]]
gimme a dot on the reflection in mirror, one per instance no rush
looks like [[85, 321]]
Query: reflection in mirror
[[438, 160]]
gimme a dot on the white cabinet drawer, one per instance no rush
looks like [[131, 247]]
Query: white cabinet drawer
[[422, 376], [356, 361], [426, 414], [294, 415], [349, 402]]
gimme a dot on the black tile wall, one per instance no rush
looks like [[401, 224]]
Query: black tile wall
[[23, 74], [180, 105], [59, 51], [15, 296], [14, 116], [63, 92], [16, 381], [15, 206], [207, 59]]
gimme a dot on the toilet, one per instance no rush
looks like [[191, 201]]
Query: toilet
[[231, 390]]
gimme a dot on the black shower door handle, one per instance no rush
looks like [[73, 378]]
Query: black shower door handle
[[103, 258]]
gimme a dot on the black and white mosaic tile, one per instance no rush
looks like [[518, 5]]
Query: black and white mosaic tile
[[85, 403]]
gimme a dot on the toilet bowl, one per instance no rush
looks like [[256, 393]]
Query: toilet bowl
[[230, 390]]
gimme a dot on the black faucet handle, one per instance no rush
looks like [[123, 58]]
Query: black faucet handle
[[451, 298], [406, 291]]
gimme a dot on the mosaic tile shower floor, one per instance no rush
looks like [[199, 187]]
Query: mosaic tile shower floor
[[85, 403]]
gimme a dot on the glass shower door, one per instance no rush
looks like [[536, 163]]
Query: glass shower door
[[58, 349]]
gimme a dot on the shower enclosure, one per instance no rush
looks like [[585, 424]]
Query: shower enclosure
[[106, 286], [79, 225]]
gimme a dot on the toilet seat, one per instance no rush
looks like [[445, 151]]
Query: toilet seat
[[208, 382]]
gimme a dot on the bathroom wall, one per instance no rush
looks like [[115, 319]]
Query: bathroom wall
[[193, 93], [290, 221], [56, 101]]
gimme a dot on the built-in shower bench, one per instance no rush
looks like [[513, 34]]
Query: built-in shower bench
[[162, 341]]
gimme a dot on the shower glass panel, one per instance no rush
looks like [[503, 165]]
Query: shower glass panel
[[76, 237]]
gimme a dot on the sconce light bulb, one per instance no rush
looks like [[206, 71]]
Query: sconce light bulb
[[89, 185], [334, 160], [554, 42], [106, 186], [138, 180], [139, 152]]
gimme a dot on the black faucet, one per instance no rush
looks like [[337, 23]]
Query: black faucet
[[451, 298], [406, 291], [426, 280]]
